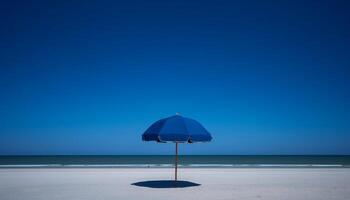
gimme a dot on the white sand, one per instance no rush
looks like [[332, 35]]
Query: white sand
[[243, 184]]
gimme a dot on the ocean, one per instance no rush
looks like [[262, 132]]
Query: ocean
[[199, 161]]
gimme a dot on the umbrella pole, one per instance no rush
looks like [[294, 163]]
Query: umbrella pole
[[176, 160]]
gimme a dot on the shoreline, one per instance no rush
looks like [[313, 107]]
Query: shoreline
[[141, 166]]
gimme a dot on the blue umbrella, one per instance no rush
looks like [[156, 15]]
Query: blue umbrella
[[176, 129]]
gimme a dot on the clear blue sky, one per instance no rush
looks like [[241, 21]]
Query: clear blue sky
[[88, 77]]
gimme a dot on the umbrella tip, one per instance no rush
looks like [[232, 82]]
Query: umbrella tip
[[177, 113]]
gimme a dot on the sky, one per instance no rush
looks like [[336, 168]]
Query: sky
[[89, 77]]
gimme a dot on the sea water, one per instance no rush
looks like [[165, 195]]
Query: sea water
[[198, 161]]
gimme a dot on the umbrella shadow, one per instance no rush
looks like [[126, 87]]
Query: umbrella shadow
[[165, 184]]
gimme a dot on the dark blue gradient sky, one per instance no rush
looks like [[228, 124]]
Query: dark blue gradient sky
[[88, 77]]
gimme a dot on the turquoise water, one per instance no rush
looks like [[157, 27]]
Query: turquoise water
[[167, 161]]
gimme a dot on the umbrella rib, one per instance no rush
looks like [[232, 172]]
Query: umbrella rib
[[188, 133]]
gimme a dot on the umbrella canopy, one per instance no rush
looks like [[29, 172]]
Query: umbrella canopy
[[176, 129]]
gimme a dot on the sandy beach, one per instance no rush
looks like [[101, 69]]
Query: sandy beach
[[143, 183]]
